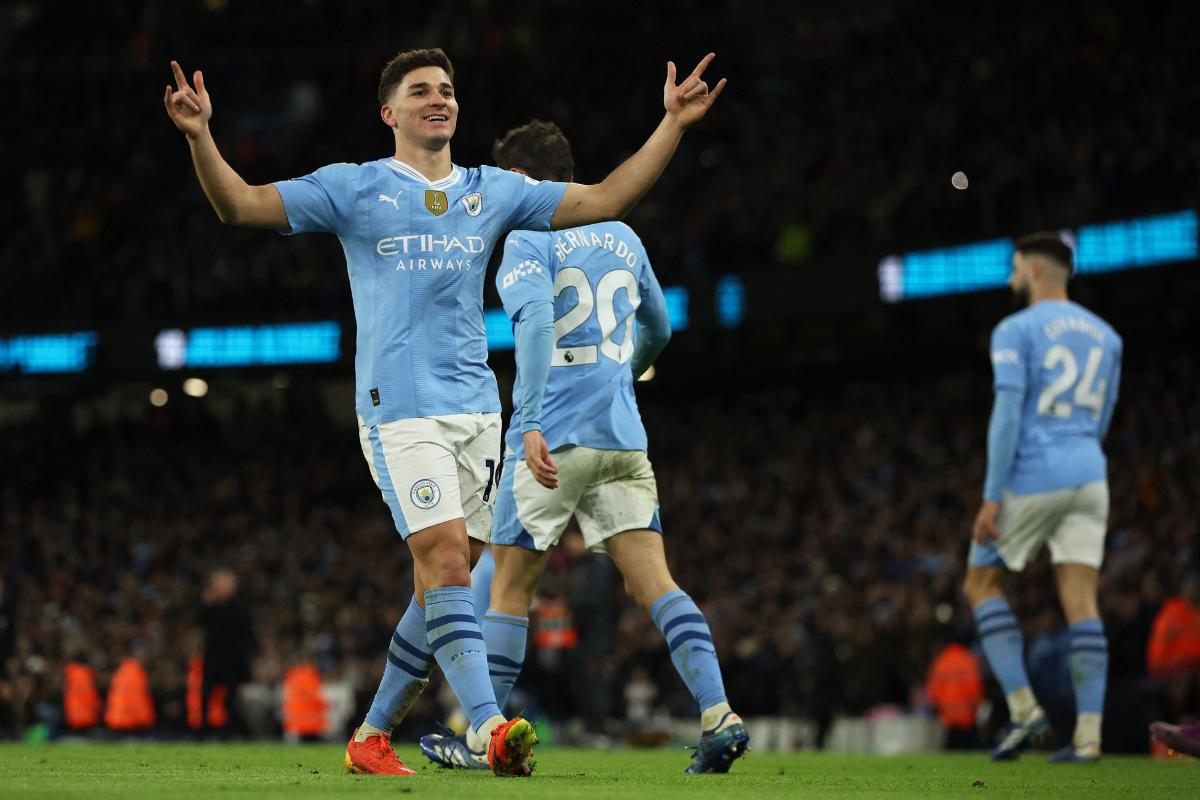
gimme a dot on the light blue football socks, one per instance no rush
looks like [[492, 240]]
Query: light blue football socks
[[505, 636], [690, 642], [405, 674], [1004, 647], [1089, 677], [457, 644]]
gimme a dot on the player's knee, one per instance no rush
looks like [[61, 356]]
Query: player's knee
[[979, 585], [1078, 608], [644, 590], [968, 588], [522, 593], [512, 594], [636, 594], [451, 569]]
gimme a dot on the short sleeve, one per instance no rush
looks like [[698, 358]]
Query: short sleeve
[[532, 203], [524, 274], [1008, 357], [320, 202]]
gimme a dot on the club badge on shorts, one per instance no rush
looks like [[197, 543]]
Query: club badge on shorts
[[425, 493], [436, 202]]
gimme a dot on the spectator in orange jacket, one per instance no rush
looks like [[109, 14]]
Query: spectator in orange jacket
[[1174, 647], [81, 698], [955, 688], [130, 705], [303, 703]]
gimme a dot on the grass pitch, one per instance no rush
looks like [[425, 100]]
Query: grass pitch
[[177, 771]]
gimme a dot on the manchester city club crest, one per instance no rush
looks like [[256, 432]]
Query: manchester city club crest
[[473, 203], [436, 202], [425, 493]]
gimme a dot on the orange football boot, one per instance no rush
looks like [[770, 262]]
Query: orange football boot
[[510, 747], [374, 756]]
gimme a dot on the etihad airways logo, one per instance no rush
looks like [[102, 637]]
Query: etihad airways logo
[[426, 251]]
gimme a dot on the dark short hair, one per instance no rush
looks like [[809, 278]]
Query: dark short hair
[[404, 63], [539, 148], [1047, 244]]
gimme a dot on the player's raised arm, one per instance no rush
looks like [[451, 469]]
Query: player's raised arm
[[685, 103], [235, 201]]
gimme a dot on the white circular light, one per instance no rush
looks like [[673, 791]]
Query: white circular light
[[959, 180], [195, 387], [158, 397]]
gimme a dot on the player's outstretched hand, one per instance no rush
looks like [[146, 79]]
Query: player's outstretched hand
[[190, 109], [690, 100], [537, 458], [984, 530]]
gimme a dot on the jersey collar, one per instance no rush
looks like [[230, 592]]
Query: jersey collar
[[399, 167]]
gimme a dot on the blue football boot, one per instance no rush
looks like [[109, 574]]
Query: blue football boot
[[719, 748], [1019, 735], [1088, 754], [450, 751]]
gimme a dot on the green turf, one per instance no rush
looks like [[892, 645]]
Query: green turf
[[173, 772]]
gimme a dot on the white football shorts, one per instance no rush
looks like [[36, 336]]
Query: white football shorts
[[1073, 522], [434, 469], [608, 491]]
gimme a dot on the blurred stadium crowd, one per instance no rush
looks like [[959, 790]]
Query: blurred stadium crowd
[[825, 543], [845, 126], [821, 526]]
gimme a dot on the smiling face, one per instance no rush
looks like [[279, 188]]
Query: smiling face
[[422, 108]]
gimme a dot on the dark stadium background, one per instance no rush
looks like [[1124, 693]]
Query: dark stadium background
[[818, 464]]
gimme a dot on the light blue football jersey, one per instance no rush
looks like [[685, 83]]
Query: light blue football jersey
[[597, 276], [416, 252], [1066, 361]]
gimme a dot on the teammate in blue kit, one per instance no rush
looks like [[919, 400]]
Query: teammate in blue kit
[[588, 316], [1057, 366], [417, 231]]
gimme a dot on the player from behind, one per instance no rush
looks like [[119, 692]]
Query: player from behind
[[417, 231], [1056, 366], [588, 316]]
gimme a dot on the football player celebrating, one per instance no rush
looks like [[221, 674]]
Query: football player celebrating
[[417, 231]]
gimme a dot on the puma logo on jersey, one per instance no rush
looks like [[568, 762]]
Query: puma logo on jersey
[[395, 201]]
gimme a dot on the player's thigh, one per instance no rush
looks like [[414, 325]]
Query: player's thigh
[[1080, 533], [528, 514], [642, 560], [1025, 523], [477, 438], [515, 580], [622, 497], [416, 472]]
